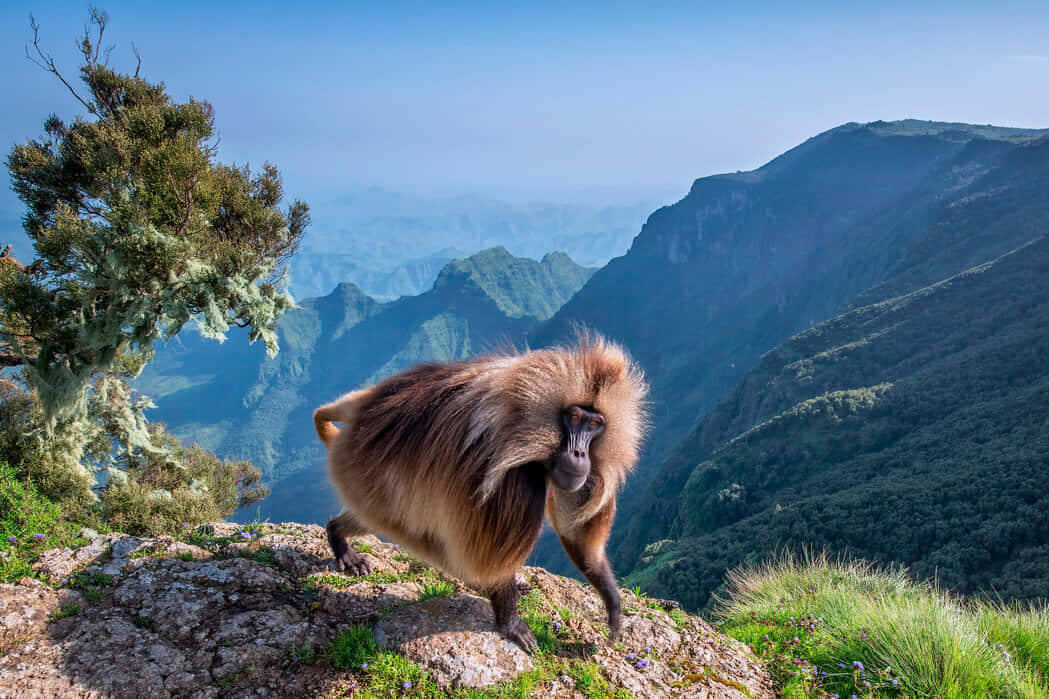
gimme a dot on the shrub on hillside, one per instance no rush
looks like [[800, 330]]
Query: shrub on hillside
[[155, 495], [144, 492]]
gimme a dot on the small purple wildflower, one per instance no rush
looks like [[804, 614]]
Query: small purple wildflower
[[648, 649], [408, 684], [185, 524], [364, 666], [245, 535], [630, 656], [895, 683], [64, 581], [12, 538], [39, 536], [857, 664]]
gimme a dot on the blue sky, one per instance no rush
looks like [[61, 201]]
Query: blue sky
[[544, 100]]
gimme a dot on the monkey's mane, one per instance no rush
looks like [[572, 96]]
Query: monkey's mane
[[518, 407]]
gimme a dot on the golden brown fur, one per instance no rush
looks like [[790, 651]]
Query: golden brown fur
[[449, 458]]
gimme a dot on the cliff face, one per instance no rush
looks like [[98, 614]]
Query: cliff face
[[234, 612], [855, 215]]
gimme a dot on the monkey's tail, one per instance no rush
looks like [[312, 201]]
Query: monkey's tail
[[322, 420]]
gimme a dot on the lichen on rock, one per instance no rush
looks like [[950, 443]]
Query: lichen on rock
[[234, 612]]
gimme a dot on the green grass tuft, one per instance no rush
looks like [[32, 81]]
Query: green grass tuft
[[66, 610], [352, 648], [441, 588], [362, 547], [92, 585], [838, 627], [264, 555]]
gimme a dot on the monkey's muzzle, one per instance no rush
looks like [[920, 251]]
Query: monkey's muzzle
[[570, 466]]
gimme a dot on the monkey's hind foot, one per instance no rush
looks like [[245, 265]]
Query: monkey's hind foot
[[517, 631]]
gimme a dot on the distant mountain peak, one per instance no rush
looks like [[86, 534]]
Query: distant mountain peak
[[521, 287]]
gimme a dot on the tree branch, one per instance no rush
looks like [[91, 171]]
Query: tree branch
[[47, 62], [138, 57]]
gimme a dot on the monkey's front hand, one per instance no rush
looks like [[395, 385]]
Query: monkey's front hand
[[352, 563], [348, 560], [517, 631]]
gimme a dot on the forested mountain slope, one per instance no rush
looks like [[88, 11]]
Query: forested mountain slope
[[857, 214], [913, 430], [242, 404]]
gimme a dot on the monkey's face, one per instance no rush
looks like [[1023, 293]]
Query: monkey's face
[[571, 464]]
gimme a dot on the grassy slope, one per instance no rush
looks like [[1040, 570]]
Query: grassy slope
[[834, 628], [914, 430]]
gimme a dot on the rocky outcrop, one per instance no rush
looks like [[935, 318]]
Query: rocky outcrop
[[229, 612]]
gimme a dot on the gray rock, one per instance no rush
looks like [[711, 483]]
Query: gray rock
[[124, 546], [201, 626], [455, 639]]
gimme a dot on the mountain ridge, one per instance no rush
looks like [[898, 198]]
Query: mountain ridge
[[747, 260], [866, 432]]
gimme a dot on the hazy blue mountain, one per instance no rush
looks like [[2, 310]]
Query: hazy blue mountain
[[237, 402], [745, 260], [914, 431], [316, 274], [390, 243]]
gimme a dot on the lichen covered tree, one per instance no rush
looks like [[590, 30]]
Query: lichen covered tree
[[137, 231]]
